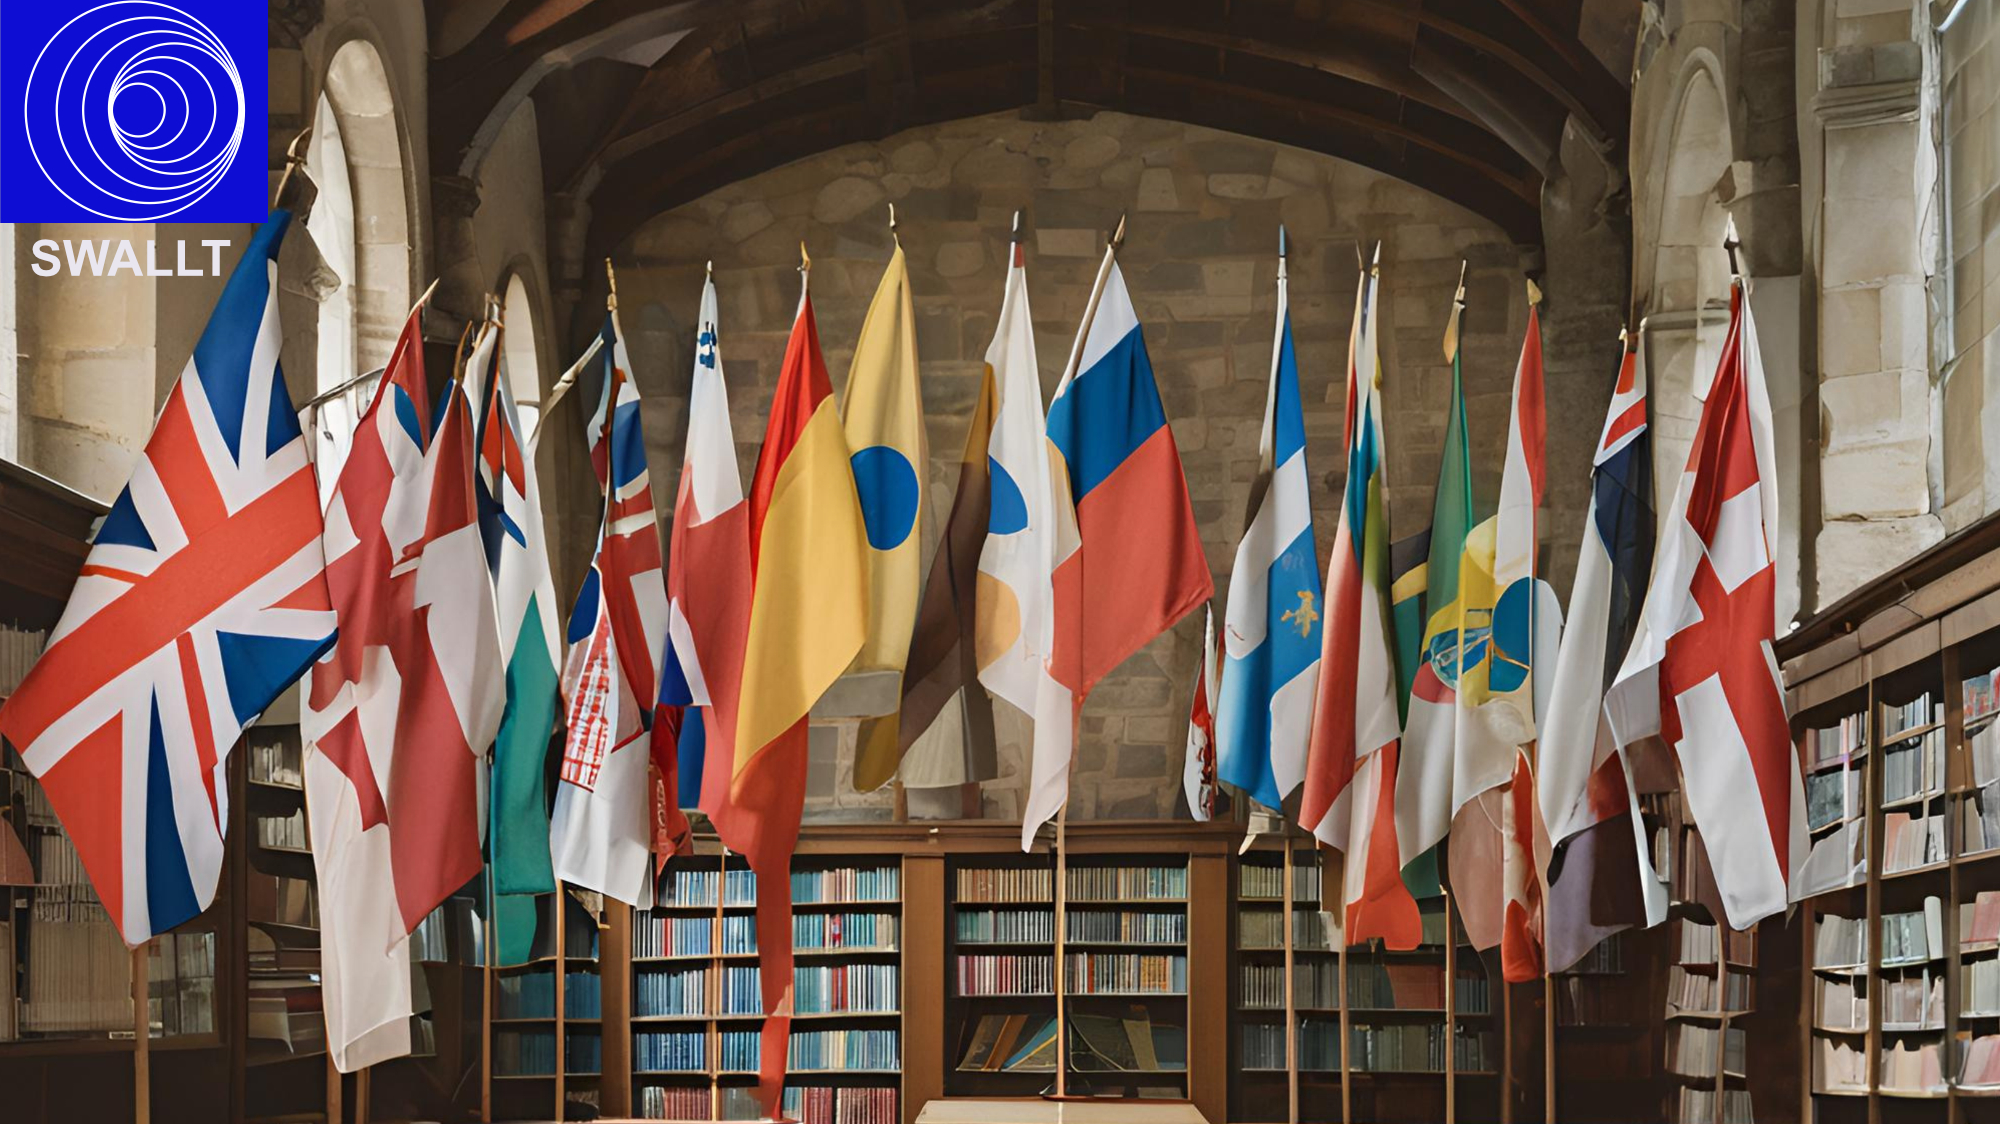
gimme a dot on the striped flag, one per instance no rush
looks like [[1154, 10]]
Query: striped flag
[[1198, 764], [600, 835], [1350, 782], [399, 715], [807, 620], [1129, 561], [1600, 874], [524, 595], [1700, 672], [882, 412], [1271, 623], [202, 599]]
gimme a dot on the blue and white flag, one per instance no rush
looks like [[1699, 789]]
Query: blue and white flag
[[1271, 626]]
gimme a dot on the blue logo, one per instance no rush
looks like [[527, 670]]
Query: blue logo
[[133, 111]]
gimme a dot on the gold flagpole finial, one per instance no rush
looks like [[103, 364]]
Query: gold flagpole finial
[[1534, 293], [1118, 236], [805, 259], [709, 269], [294, 161], [1451, 325], [611, 278], [892, 218], [1730, 242], [1375, 267]]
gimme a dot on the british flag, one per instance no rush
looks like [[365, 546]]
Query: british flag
[[600, 833], [203, 597]]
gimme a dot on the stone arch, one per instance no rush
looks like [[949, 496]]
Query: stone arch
[[522, 345]]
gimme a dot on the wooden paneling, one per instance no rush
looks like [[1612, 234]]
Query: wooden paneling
[[924, 976], [1208, 984]]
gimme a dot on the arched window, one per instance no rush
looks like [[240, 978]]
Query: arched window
[[524, 368], [360, 224]]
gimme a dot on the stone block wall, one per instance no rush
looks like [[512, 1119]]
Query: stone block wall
[[1968, 301], [1200, 259]]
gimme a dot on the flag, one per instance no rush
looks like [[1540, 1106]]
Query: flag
[[1198, 766], [524, 595], [1409, 576], [1499, 845], [944, 660], [1014, 592], [1271, 623], [600, 835], [1350, 782], [808, 617], [201, 599], [1424, 766], [1700, 672], [399, 715], [1129, 560], [708, 577], [1600, 876], [882, 413]]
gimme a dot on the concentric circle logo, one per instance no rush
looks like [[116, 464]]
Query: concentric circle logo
[[134, 110]]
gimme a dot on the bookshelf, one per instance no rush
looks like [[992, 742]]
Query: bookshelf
[[1267, 953]]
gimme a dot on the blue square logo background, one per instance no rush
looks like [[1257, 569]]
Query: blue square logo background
[[134, 110]]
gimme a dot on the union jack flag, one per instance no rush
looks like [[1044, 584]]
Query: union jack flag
[[203, 597], [600, 833]]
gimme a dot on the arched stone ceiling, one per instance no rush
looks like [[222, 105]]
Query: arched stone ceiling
[[1465, 98]]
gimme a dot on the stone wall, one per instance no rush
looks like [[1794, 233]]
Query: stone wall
[[1200, 260], [1968, 300]]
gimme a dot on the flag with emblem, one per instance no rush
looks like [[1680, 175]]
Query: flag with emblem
[[524, 595], [1129, 561], [1424, 768], [708, 579], [1600, 875], [1350, 781], [1198, 765], [202, 598], [882, 413], [600, 834], [1700, 673], [398, 717], [1271, 622], [808, 618]]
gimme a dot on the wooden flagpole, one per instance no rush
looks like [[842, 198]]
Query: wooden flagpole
[[1291, 1000], [142, 1041], [1450, 1012], [562, 967]]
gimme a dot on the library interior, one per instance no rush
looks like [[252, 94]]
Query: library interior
[[920, 562]]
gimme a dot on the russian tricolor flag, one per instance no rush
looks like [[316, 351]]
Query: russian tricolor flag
[[1128, 558]]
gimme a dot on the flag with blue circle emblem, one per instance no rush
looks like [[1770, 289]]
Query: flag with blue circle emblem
[[1271, 626], [883, 414]]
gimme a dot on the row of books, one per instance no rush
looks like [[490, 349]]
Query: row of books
[[19, 649], [78, 976], [180, 984], [1913, 768], [674, 991], [1840, 942], [1983, 746], [1121, 973], [1005, 926], [1697, 1106], [1267, 883], [1591, 1000], [1839, 1065], [1980, 814], [1127, 883], [671, 1051], [1127, 926], [1842, 1003], [1315, 985], [1704, 992], [1920, 711], [1832, 796], [845, 1050], [1915, 936], [1913, 1066], [1006, 885], [1006, 974], [1911, 840], [1318, 1042], [816, 932], [1264, 929], [524, 1053], [820, 989], [662, 935], [675, 1102], [1701, 942], [288, 832], [1913, 1002], [275, 762], [820, 1104], [655, 934], [525, 995], [583, 1052], [1419, 1048], [846, 884], [1979, 986], [1848, 736], [1695, 1050], [686, 887], [1980, 1067], [1981, 699], [1412, 987]]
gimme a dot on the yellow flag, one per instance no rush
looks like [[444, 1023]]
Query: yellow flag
[[883, 414]]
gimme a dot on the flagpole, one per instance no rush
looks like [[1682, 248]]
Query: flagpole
[[142, 1044], [1285, 896], [1061, 980]]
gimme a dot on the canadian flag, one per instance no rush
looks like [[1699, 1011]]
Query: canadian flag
[[1700, 673]]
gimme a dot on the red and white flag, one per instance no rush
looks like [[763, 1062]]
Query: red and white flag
[[1700, 673], [1198, 767], [398, 717]]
